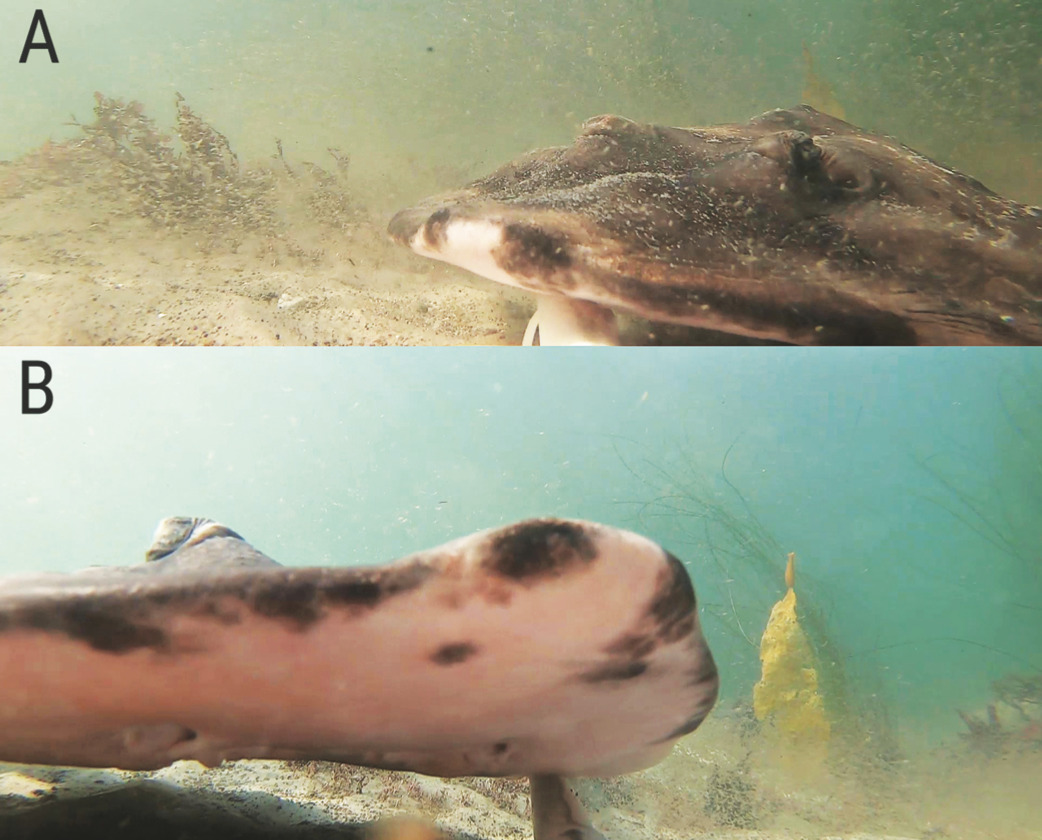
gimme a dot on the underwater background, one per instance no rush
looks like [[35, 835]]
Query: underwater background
[[907, 482], [223, 173], [425, 95]]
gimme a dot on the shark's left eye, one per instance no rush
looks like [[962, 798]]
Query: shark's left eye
[[831, 173], [791, 149], [849, 173], [841, 172]]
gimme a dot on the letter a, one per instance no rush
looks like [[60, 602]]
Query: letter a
[[45, 44]]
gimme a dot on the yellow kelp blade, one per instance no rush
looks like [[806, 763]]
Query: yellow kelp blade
[[787, 694]]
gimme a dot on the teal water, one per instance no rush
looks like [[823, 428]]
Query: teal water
[[908, 482], [427, 94]]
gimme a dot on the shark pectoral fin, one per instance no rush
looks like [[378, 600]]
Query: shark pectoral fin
[[557, 813], [560, 321]]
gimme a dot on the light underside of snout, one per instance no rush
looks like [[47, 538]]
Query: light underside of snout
[[473, 244], [469, 244]]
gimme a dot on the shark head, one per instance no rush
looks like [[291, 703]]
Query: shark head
[[795, 227]]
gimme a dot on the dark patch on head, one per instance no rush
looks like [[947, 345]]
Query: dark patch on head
[[454, 653], [614, 672], [359, 593], [540, 548], [673, 606], [434, 229], [628, 659], [103, 624], [530, 251], [500, 747], [223, 612], [139, 601]]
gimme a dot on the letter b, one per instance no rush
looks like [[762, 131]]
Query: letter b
[[27, 386]]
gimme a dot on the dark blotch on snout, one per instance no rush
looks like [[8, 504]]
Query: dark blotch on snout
[[405, 224], [673, 607], [352, 588], [434, 229], [542, 548], [530, 251], [454, 653], [614, 672]]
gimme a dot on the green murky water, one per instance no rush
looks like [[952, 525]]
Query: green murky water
[[425, 94], [244, 157]]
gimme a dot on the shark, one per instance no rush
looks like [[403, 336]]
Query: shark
[[794, 227], [548, 648]]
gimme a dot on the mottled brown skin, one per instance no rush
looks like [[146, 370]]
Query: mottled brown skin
[[545, 648], [205, 599], [795, 226], [124, 609], [121, 609]]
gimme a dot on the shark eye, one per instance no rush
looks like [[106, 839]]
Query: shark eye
[[790, 149], [849, 173], [829, 172]]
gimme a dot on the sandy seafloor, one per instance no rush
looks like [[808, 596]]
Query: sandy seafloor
[[82, 267], [76, 271], [84, 260], [716, 784], [97, 248]]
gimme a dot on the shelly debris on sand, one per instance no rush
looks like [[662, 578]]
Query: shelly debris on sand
[[730, 798]]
